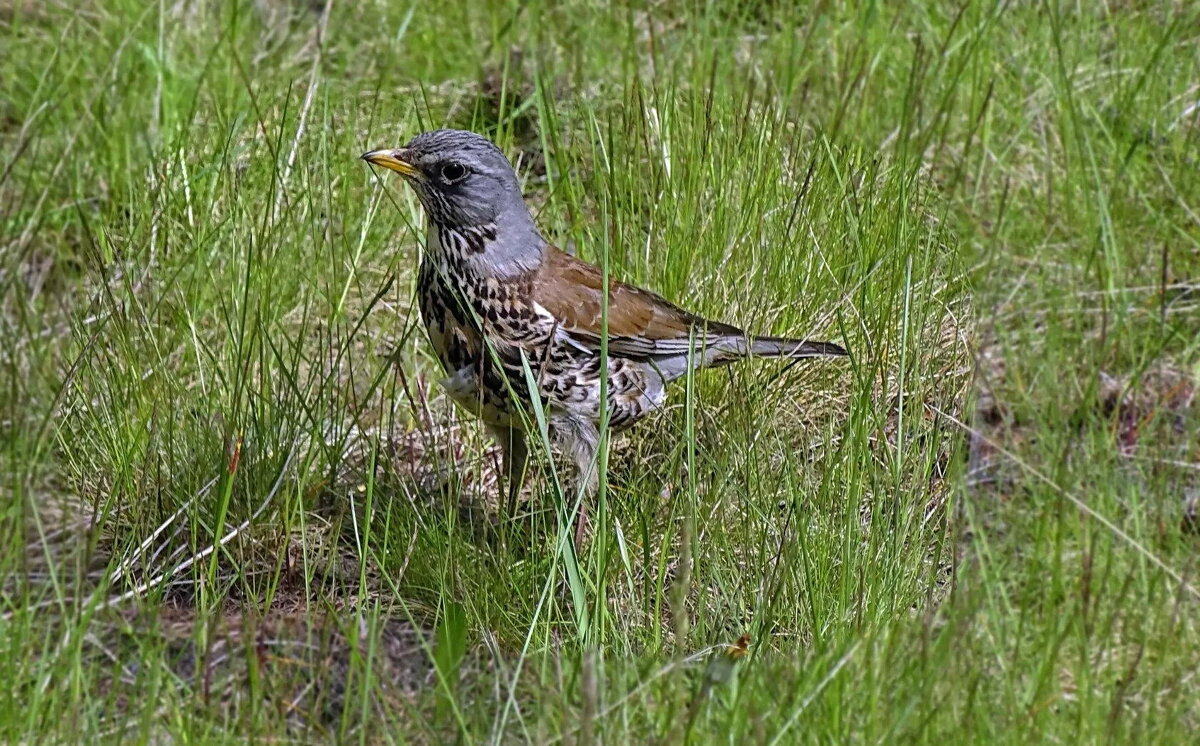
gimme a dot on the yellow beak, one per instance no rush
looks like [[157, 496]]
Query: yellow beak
[[393, 160]]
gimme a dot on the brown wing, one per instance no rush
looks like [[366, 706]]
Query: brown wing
[[640, 323]]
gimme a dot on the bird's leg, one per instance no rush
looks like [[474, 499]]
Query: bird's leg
[[589, 488], [516, 459], [579, 440]]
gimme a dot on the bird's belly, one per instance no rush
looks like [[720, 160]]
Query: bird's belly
[[471, 380], [570, 383], [459, 353], [453, 348]]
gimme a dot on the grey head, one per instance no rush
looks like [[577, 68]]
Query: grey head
[[461, 178]]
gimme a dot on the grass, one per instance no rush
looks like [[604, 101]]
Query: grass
[[237, 506]]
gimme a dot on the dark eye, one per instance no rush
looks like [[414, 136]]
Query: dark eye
[[452, 172]]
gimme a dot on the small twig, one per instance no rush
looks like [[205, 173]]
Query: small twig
[[128, 563], [230, 536], [1163, 461]]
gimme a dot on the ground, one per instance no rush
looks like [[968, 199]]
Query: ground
[[236, 504]]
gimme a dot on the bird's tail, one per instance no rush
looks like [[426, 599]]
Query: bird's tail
[[793, 349], [733, 346]]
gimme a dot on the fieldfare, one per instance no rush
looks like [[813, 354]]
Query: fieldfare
[[497, 300]]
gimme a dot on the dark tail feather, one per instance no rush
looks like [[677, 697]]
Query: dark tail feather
[[733, 347], [793, 348]]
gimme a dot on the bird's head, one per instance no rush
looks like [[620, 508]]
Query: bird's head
[[461, 178]]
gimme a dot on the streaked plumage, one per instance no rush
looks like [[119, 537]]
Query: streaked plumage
[[495, 293]]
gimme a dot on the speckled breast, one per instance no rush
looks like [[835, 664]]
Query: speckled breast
[[460, 311], [454, 311]]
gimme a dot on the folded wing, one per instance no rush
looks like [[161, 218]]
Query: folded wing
[[641, 324], [645, 326]]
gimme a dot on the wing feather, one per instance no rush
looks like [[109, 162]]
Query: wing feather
[[641, 324]]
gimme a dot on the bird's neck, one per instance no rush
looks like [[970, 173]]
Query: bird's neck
[[504, 248]]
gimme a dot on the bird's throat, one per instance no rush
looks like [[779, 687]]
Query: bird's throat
[[487, 250]]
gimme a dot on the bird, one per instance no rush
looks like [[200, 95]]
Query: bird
[[497, 300]]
